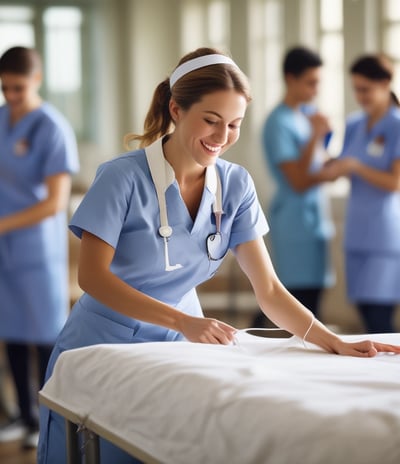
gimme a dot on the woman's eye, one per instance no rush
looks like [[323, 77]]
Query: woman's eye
[[208, 121]]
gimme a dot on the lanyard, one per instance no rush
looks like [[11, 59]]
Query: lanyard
[[163, 176]]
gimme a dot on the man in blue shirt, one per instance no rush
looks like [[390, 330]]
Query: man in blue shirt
[[293, 139]]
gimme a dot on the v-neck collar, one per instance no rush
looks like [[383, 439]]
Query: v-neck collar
[[12, 128], [376, 129]]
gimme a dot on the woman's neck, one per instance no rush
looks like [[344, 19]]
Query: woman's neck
[[18, 113], [186, 170], [377, 113], [291, 101]]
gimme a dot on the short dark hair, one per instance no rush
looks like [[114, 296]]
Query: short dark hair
[[20, 60], [300, 59]]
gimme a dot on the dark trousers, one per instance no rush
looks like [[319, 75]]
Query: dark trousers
[[377, 318], [27, 382], [309, 297]]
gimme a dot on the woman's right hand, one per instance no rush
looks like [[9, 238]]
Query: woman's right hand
[[320, 124], [335, 168], [206, 330]]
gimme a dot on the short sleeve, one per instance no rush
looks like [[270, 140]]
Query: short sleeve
[[61, 153], [249, 222], [279, 141], [103, 209]]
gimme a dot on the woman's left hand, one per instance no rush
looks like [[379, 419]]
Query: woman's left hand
[[365, 348]]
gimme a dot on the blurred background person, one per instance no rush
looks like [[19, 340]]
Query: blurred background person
[[293, 139], [38, 155], [371, 154]]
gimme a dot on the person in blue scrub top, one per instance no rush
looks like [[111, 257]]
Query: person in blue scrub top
[[37, 156], [301, 227], [157, 222], [371, 157]]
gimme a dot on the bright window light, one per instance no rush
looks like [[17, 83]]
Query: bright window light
[[392, 10], [63, 49], [331, 15], [392, 41], [218, 23]]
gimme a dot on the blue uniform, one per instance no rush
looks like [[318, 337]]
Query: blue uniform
[[33, 260], [372, 232], [121, 208], [301, 226]]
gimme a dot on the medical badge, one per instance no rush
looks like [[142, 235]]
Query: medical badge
[[376, 147]]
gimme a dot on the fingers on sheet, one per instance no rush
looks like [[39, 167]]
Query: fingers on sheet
[[386, 348]]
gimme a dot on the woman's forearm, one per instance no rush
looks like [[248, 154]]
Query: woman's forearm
[[58, 187], [382, 179], [275, 301], [113, 292], [288, 313]]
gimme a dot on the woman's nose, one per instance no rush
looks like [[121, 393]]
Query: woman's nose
[[221, 134]]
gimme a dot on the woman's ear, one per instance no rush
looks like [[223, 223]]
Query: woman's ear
[[174, 110], [37, 78]]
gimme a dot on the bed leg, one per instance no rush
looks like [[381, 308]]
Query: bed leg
[[73, 451], [92, 447]]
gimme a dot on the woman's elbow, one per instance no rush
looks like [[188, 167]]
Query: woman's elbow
[[86, 278]]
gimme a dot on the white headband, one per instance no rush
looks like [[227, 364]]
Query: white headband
[[197, 63]]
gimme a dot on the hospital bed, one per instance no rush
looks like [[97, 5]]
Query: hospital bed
[[261, 401]]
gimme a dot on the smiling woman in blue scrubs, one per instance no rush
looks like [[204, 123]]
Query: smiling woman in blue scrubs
[[371, 155], [37, 155], [157, 222]]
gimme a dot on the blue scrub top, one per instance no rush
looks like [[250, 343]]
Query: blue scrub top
[[300, 222], [121, 208], [33, 260], [373, 214]]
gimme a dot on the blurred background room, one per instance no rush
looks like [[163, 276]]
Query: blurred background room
[[103, 58]]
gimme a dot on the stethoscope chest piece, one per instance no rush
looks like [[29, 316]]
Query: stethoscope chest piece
[[165, 231]]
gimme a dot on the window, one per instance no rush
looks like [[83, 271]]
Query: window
[[205, 23], [16, 27], [391, 37], [57, 32], [266, 44], [332, 85], [63, 63]]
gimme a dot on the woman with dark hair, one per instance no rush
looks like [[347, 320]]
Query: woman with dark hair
[[371, 157], [38, 155], [158, 221]]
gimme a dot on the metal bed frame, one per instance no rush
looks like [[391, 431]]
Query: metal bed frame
[[82, 438]]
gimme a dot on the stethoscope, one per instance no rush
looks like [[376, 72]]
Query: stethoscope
[[163, 176]]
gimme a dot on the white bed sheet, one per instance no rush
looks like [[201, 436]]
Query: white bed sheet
[[261, 402]]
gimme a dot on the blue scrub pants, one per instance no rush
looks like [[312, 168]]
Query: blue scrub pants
[[378, 318], [20, 362]]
